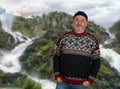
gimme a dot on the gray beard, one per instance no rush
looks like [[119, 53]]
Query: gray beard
[[79, 29]]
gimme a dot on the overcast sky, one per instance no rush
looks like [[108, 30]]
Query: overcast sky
[[102, 12]]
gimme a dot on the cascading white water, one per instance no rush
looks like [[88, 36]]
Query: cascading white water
[[112, 37], [6, 21], [9, 60], [110, 55]]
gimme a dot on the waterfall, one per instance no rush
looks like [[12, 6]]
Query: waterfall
[[9, 60], [112, 37], [109, 54]]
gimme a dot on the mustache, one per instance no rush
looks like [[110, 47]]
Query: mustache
[[78, 27]]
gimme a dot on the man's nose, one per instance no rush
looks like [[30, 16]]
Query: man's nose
[[79, 22]]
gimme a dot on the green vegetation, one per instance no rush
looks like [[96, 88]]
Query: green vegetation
[[6, 40], [107, 78], [98, 31], [17, 80], [39, 58], [30, 84], [3, 38]]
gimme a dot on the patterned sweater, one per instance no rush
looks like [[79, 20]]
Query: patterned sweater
[[76, 58]]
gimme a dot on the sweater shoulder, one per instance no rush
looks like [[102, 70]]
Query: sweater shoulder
[[66, 33], [92, 36], [62, 35]]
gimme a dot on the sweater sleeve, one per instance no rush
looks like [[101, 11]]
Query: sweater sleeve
[[56, 59], [95, 64]]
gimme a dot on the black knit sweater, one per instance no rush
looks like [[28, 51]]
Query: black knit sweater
[[77, 57]]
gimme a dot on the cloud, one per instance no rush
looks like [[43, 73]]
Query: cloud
[[31, 9], [10, 2], [104, 12], [39, 7]]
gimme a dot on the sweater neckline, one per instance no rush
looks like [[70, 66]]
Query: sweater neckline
[[78, 33]]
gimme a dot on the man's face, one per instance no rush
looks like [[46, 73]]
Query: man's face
[[79, 23]]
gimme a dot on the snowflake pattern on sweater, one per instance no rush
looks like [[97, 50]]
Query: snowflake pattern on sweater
[[77, 57]]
